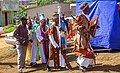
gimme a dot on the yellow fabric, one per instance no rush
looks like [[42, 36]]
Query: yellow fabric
[[37, 56], [28, 52]]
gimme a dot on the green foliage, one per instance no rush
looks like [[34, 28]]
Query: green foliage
[[22, 11], [44, 2], [31, 6], [9, 28]]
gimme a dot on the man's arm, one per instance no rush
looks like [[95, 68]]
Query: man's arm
[[53, 41], [51, 38], [16, 33]]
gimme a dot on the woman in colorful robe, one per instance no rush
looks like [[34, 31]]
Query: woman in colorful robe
[[32, 47], [28, 52]]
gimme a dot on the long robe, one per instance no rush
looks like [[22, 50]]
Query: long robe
[[35, 26], [28, 52], [44, 45], [82, 45], [55, 59], [32, 53]]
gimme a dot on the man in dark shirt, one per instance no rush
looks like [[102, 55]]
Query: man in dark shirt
[[21, 34]]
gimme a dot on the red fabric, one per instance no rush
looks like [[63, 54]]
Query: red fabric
[[70, 34], [119, 8], [41, 29], [69, 26], [43, 41], [86, 52]]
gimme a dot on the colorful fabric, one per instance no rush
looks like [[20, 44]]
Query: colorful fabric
[[82, 38], [43, 48], [28, 52], [35, 25], [71, 32], [63, 32], [53, 51]]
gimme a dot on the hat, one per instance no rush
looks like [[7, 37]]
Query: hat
[[84, 5], [41, 16], [23, 18]]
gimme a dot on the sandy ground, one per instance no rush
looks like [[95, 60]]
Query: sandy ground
[[106, 62], [2, 42]]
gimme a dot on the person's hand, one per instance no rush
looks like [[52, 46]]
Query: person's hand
[[83, 27], [59, 48], [31, 40]]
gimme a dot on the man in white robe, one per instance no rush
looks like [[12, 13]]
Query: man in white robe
[[56, 59], [43, 39]]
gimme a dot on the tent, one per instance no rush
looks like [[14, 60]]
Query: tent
[[108, 35]]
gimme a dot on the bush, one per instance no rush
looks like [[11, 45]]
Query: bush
[[9, 28]]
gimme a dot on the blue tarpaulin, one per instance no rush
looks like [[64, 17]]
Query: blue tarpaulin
[[108, 35]]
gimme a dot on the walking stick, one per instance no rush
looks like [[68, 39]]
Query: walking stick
[[63, 52]]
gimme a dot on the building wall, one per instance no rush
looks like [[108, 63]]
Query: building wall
[[47, 10], [4, 19], [50, 9], [65, 8], [73, 9]]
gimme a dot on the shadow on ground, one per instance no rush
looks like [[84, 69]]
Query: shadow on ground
[[106, 68], [37, 68], [9, 64]]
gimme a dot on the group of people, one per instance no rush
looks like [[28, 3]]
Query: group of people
[[50, 42]]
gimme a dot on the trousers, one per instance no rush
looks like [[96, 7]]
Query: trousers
[[21, 50]]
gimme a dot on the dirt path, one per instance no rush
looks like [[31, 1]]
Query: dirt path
[[2, 42], [5, 48], [106, 62]]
